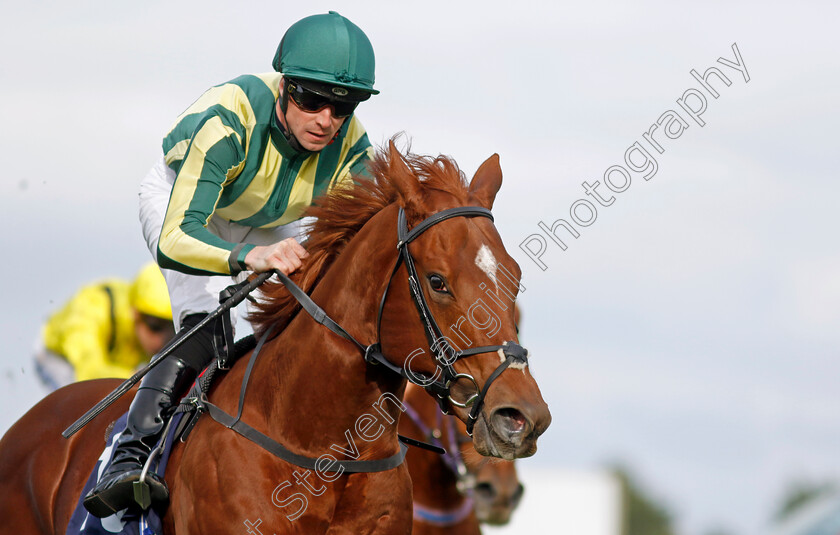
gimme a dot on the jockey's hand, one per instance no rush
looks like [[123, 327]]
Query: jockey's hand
[[285, 256]]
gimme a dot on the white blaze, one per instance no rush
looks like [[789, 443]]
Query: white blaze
[[486, 262]]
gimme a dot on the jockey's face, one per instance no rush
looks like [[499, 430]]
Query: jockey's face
[[152, 333], [313, 130]]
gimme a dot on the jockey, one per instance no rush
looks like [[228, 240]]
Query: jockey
[[107, 329], [238, 169]]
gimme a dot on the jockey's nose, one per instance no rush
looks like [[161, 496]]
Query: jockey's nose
[[324, 116]]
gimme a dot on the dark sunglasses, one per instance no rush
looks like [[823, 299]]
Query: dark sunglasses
[[156, 324], [310, 101]]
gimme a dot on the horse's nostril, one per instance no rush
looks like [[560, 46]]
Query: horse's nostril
[[517, 496], [513, 420], [485, 490]]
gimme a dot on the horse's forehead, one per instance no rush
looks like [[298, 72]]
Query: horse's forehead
[[487, 251], [477, 243]]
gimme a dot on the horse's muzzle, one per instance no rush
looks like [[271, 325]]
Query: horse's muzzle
[[510, 432]]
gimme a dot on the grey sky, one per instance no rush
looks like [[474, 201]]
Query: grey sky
[[690, 331]]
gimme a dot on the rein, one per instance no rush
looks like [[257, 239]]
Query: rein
[[197, 401]]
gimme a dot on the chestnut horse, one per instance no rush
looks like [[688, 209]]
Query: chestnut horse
[[455, 492], [313, 391]]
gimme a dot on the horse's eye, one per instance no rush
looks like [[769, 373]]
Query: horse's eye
[[437, 283]]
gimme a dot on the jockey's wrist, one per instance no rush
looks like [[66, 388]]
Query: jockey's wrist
[[236, 260]]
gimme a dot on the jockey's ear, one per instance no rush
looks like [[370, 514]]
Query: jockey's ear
[[486, 182], [403, 179]]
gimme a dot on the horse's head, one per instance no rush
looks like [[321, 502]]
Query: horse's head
[[497, 492], [493, 483], [460, 297]]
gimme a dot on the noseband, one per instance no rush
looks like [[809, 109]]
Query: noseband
[[445, 354]]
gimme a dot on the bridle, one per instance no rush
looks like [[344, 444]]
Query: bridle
[[444, 352], [465, 480]]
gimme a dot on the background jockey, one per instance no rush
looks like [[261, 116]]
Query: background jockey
[[107, 329], [238, 169]]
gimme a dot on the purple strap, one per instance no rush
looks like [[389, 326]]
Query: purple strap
[[440, 517]]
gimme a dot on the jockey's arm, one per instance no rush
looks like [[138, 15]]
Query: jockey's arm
[[215, 157]]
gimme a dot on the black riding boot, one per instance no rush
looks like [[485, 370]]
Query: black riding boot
[[155, 402]]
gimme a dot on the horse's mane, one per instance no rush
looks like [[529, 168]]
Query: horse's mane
[[341, 213]]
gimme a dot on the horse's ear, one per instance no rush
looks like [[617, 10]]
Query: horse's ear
[[402, 178], [486, 182]]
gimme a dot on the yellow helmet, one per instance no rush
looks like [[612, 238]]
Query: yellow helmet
[[149, 294]]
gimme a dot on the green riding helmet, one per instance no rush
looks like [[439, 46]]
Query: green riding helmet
[[328, 49]]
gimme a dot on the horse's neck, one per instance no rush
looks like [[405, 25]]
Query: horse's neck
[[316, 385]]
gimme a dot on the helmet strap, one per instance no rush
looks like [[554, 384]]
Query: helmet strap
[[284, 99], [287, 132]]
